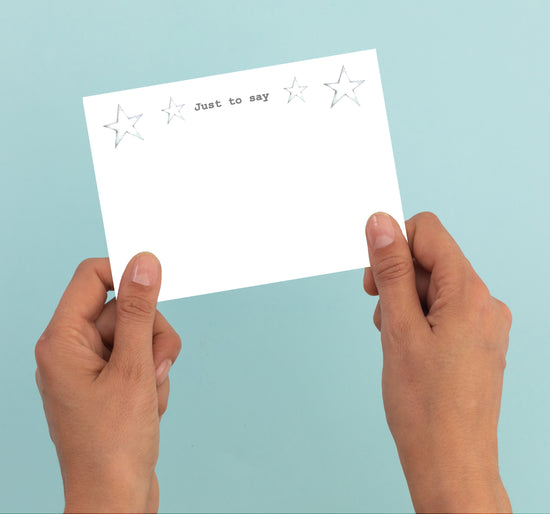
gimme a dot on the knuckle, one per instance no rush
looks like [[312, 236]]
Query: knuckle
[[508, 318], [478, 295], [177, 339], [42, 350], [428, 218], [392, 268], [505, 314], [135, 307], [376, 318], [85, 265]]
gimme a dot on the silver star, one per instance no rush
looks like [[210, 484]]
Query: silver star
[[295, 91], [344, 88], [173, 110], [124, 125]]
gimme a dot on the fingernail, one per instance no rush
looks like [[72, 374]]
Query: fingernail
[[145, 269], [380, 231], [162, 371]]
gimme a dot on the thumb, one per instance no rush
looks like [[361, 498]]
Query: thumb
[[393, 271], [135, 314]]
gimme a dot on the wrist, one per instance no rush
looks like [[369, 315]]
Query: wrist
[[456, 483], [114, 490], [459, 492]]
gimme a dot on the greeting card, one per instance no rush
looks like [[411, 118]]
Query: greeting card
[[245, 178]]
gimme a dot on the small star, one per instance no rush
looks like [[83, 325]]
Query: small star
[[124, 125], [344, 88], [295, 91], [173, 110]]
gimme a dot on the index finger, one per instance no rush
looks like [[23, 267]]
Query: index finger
[[84, 297], [430, 243], [433, 248]]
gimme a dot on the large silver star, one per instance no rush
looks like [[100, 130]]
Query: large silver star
[[295, 91], [124, 125], [173, 110], [344, 87]]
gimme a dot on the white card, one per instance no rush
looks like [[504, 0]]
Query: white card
[[273, 181]]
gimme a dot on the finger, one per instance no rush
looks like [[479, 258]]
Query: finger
[[163, 391], [105, 323], [422, 282], [86, 293], [377, 317], [394, 276], [135, 314], [505, 314], [368, 283], [38, 379], [431, 244], [166, 341], [422, 279], [422, 287], [437, 253]]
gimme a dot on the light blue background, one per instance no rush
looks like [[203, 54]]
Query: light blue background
[[276, 401]]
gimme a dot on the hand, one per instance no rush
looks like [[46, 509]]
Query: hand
[[102, 373], [444, 342]]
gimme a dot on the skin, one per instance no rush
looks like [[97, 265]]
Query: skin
[[97, 374], [444, 341]]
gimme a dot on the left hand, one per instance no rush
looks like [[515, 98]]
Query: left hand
[[102, 374]]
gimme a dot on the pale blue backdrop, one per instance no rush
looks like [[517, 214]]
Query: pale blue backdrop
[[275, 402]]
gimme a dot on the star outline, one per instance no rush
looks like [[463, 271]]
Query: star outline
[[119, 137], [170, 111], [293, 94], [337, 90]]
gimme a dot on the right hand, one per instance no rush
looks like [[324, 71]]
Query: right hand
[[444, 342]]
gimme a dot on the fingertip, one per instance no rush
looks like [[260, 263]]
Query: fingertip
[[380, 231], [146, 269], [148, 255], [374, 215], [392, 272], [163, 370]]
